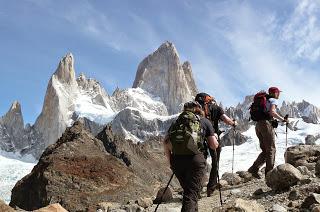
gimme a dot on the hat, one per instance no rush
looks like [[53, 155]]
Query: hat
[[191, 105], [274, 90]]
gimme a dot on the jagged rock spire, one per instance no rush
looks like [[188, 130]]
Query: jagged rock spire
[[61, 91], [162, 75], [65, 72]]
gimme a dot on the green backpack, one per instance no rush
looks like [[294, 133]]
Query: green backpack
[[185, 135]]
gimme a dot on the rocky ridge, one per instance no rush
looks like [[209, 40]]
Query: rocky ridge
[[79, 171]]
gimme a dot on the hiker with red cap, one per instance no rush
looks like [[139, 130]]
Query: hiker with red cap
[[264, 111]]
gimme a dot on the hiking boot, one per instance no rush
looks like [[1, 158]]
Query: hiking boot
[[212, 189], [255, 175]]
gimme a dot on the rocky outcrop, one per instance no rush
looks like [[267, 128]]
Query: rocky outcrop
[[80, 171], [283, 177], [61, 92], [162, 75], [303, 155], [233, 137], [76, 172], [139, 126], [311, 139]]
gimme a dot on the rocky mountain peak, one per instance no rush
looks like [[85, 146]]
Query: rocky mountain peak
[[65, 72], [13, 118], [162, 75]]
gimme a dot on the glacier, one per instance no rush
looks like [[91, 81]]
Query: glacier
[[12, 168]]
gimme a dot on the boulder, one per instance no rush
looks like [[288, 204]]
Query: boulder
[[283, 177], [144, 202], [303, 155], [310, 140], [246, 176], [241, 205], [278, 208], [78, 173], [166, 195], [232, 179], [294, 195], [312, 199]]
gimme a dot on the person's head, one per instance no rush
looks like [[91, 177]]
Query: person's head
[[274, 92], [204, 98], [193, 106]]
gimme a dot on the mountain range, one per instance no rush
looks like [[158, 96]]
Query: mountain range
[[145, 111]]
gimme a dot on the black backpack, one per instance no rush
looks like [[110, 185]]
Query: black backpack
[[258, 109]]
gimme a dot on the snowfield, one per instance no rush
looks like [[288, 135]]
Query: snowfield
[[13, 167], [245, 154]]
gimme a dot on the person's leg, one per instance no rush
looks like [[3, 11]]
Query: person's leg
[[261, 159], [193, 178], [269, 141], [213, 179]]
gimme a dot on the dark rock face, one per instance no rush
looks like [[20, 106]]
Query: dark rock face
[[231, 136], [283, 177], [78, 173], [303, 155]]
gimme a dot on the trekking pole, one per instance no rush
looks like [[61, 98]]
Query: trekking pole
[[219, 186], [234, 140], [286, 118], [164, 192]]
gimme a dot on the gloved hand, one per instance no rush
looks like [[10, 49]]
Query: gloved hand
[[235, 123], [285, 119]]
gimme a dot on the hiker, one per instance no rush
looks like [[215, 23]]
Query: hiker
[[184, 148], [214, 113], [263, 110]]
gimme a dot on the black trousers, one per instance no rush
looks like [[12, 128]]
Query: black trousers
[[190, 171], [213, 179]]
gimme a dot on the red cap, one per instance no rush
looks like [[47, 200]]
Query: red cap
[[274, 90]]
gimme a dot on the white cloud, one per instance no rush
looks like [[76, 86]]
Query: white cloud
[[302, 30], [261, 57]]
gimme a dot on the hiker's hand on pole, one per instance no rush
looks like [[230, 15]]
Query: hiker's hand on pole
[[285, 119], [235, 123]]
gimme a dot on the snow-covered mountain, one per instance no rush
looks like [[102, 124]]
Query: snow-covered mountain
[[162, 85]]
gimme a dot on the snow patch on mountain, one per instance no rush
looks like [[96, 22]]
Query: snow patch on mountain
[[85, 107]]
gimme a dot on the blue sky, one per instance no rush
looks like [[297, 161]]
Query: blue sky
[[235, 47]]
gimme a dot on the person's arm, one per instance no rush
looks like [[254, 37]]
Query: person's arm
[[274, 114], [213, 141], [228, 120], [167, 147]]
